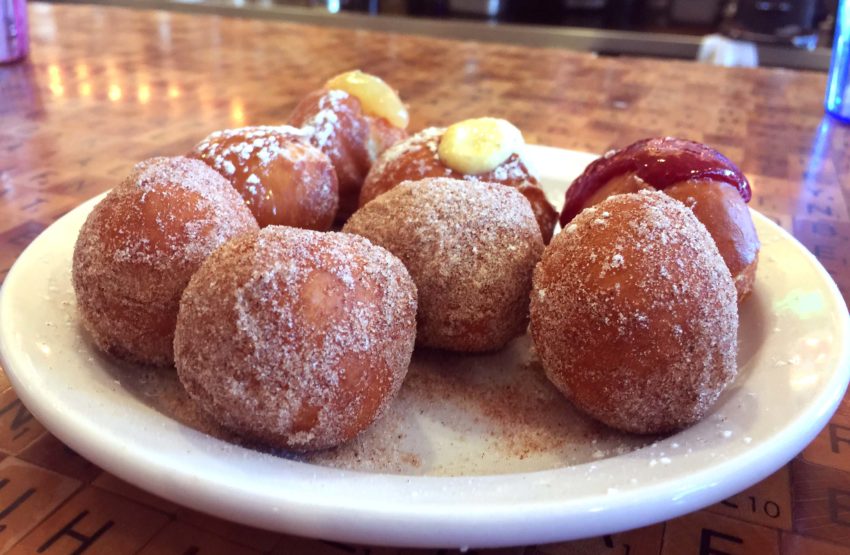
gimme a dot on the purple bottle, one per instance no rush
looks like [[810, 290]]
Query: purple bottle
[[14, 40]]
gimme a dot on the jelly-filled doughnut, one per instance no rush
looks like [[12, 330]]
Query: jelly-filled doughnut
[[296, 338], [139, 247], [283, 179], [470, 248], [482, 149], [353, 119], [634, 314], [705, 180]]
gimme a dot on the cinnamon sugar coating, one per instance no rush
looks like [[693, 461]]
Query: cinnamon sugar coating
[[295, 338], [417, 157], [634, 314], [283, 179], [470, 247], [139, 247]]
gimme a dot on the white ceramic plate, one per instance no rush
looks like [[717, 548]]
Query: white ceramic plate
[[793, 373]]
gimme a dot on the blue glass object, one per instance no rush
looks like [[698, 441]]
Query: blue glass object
[[14, 41], [838, 86]]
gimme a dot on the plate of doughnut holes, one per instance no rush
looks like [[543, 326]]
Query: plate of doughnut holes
[[343, 328]]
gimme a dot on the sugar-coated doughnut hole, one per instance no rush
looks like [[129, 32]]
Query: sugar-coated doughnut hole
[[139, 247], [295, 338], [470, 248], [634, 314]]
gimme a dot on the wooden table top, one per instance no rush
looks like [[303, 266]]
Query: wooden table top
[[107, 87]]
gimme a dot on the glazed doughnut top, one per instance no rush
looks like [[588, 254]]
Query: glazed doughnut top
[[513, 170], [660, 163]]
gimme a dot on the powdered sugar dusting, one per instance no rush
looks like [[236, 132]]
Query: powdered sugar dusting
[[283, 179], [238, 145], [335, 124], [334, 110], [428, 139]]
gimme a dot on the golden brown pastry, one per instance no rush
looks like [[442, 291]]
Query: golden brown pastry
[[296, 338], [283, 179], [353, 119], [634, 314], [470, 248], [139, 247]]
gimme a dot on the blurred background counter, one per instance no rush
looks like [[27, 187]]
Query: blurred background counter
[[784, 33]]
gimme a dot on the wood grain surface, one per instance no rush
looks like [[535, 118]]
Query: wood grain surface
[[107, 87]]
